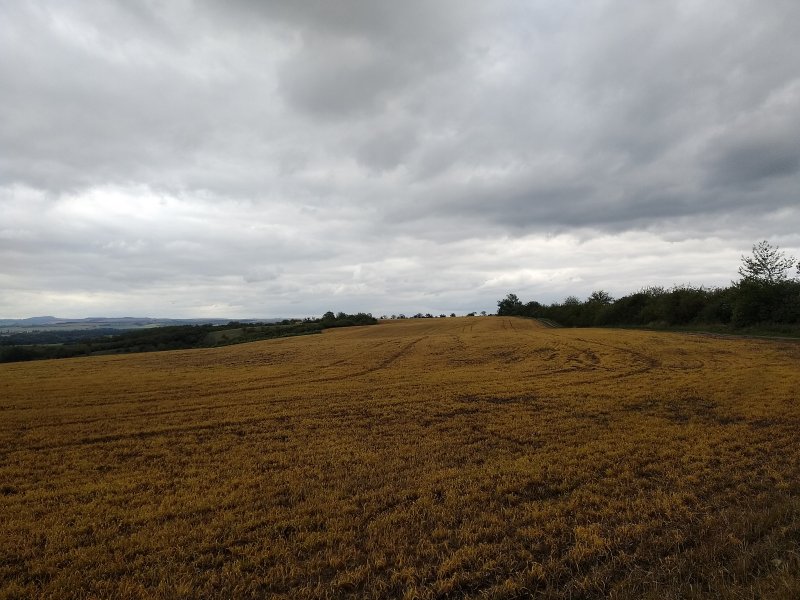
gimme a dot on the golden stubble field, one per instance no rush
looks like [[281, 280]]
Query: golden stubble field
[[459, 457]]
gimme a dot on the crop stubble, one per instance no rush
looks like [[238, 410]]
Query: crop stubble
[[485, 457]]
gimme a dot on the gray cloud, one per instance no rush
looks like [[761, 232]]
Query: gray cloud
[[756, 161], [761, 145], [243, 157]]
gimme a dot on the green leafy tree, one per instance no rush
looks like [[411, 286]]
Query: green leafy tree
[[767, 265], [510, 305], [766, 293], [600, 297]]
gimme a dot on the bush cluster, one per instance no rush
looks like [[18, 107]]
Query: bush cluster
[[764, 296], [743, 304]]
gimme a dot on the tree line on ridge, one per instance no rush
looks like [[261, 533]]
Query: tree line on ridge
[[765, 297]]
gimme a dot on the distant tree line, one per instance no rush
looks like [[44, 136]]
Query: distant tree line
[[341, 319], [766, 296], [66, 344], [58, 336], [420, 315]]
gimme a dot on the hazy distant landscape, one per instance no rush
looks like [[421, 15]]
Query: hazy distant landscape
[[93, 337], [54, 323]]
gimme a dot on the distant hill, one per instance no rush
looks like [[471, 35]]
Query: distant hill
[[28, 321], [50, 323]]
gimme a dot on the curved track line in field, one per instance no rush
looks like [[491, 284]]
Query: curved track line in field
[[646, 363], [205, 393], [583, 359], [262, 383], [650, 362], [176, 390], [383, 364], [353, 356], [386, 362]]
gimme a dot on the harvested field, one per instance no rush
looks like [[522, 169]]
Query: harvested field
[[459, 457]]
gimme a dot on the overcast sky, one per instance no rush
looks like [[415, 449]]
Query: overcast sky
[[259, 159]]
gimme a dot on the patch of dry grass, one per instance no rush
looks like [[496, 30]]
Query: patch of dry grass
[[418, 459]]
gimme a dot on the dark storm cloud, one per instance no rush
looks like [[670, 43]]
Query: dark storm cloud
[[752, 154], [364, 151], [757, 161]]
